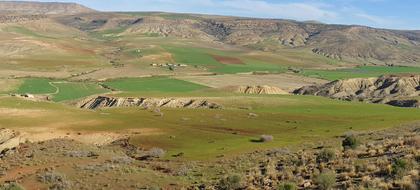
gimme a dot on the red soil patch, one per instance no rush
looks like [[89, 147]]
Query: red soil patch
[[228, 60]]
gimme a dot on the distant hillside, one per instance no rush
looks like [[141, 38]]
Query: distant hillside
[[24, 7], [357, 44], [348, 43]]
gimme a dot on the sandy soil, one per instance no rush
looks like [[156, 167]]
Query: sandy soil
[[16, 73], [286, 82], [39, 134], [30, 113], [7, 85]]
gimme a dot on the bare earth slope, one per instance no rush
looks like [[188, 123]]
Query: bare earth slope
[[385, 89], [264, 89], [109, 102]]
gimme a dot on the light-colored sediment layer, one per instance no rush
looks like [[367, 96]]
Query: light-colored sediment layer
[[286, 82], [110, 102]]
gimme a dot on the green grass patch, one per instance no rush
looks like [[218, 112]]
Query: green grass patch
[[76, 90], [59, 91], [36, 86], [153, 84], [359, 72], [250, 65], [192, 56], [207, 134]]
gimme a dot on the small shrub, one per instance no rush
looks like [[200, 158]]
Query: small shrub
[[414, 141], [11, 186], [156, 153], [230, 183], [325, 180], [287, 186], [55, 180], [266, 138], [350, 141], [400, 167], [151, 154], [361, 166], [154, 188], [417, 158], [326, 155], [408, 185]]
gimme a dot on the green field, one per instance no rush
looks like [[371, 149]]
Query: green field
[[193, 56], [36, 86], [359, 72], [59, 90], [153, 84], [206, 134], [203, 57], [73, 90], [250, 65]]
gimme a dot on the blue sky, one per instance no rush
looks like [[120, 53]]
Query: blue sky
[[395, 14]]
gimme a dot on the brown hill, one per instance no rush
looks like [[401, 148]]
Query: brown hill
[[25, 7], [349, 43], [354, 44], [393, 90], [256, 89]]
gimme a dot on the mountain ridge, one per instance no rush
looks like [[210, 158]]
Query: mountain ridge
[[350, 43], [34, 7]]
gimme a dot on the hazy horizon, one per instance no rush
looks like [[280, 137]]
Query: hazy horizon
[[388, 14]]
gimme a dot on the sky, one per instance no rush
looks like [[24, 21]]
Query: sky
[[392, 14]]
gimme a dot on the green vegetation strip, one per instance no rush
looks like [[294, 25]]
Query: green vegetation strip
[[76, 90], [59, 90], [36, 86]]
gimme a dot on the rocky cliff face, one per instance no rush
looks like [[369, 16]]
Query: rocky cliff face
[[110, 102], [258, 90], [29, 8], [8, 139], [393, 90]]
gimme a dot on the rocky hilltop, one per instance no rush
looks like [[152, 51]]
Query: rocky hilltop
[[394, 90], [110, 102], [30, 8]]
